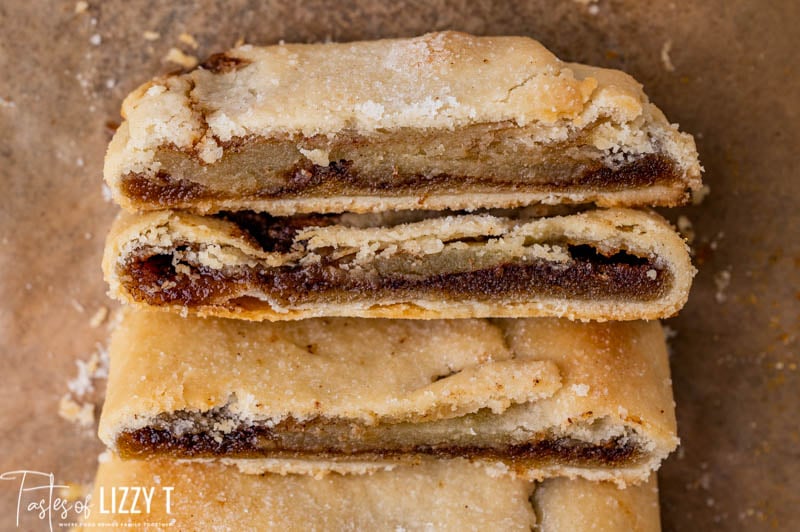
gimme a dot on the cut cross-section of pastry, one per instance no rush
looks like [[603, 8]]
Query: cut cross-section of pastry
[[442, 121], [533, 397], [612, 264], [456, 496]]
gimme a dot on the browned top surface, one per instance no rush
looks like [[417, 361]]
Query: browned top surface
[[734, 85]]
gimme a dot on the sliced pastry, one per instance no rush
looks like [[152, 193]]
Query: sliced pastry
[[456, 496], [535, 398], [443, 121], [615, 264]]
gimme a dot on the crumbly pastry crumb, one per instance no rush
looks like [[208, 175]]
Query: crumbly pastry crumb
[[188, 40], [78, 405], [74, 412], [666, 60], [686, 228], [96, 367], [98, 317], [178, 57], [722, 279]]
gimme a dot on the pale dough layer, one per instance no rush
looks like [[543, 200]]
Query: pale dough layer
[[456, 496]]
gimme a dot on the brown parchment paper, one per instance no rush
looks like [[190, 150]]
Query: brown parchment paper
[[726, 70]]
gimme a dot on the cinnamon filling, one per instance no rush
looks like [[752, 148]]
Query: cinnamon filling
[[473, 272], [242, 174], [153, 280], [332, 439]]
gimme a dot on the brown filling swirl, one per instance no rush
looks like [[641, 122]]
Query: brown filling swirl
[[158, 278], [341, 178], [154, 280], [340, 439]]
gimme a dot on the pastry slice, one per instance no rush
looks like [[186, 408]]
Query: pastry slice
[[613, 264], [456, 496], [442, 121], [535, 398]]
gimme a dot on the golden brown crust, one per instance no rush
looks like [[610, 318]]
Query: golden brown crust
[[563, 504], [216, 245], [455, 496], [589, 382], [564, 122]]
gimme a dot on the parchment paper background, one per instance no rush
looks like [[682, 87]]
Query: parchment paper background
[[726, 70]]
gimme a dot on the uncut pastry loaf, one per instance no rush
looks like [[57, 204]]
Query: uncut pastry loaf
[[457, 496], [615, 264], [442, 121], [535, 398]]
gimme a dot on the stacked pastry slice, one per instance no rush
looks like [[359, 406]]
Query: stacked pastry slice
[[314, 218], [616, 264], [444, 121], [541, 397], [457, 497]]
